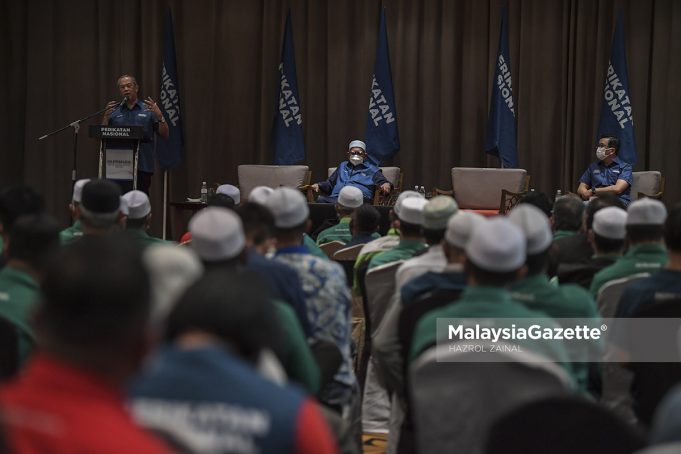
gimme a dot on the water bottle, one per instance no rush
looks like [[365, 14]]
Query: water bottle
[[204, 192], [416, 188], [422, 191], [559, 194]]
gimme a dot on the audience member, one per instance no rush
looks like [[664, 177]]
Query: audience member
[[76, 230], [171, 270], [364, 225], [32, 240], [138, 218], [326, 296], [382, 244], [568, 216], [535, 291], [259, 194], [230, 191], [202, 392], [16, 201], [349, 199], [538, 199], [495, 259], [577, 249], [92, 329], [218, 239], [411, 238], [607, 234], [101, 208], [258, 225], [646, 253]]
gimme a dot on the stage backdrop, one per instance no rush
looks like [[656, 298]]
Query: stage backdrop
[[60, 61]]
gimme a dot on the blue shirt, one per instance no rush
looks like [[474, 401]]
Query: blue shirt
[[205, 397], [285, 284], [365, 177], [598, 175], [139, 115]]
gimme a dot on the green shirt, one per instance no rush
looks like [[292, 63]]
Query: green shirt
[[145, 238], [18, 297], [642, 258], [69, 234], [558, 234], [565, 301], [484, 302], [312, 247], [404, 250], [339, 232], [297, 358]]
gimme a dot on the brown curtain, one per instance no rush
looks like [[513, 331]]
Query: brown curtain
[[60, 61]]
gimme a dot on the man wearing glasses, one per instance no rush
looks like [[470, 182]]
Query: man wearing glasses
[[607, 174], [133, 112], [356, 171]]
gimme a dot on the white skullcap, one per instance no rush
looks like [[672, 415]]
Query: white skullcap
[[231, 191], [350, 197], [78, 189], [412, 210], [497, 245], [610, 222], [460, 227], [357, 144], [437, 212], [138, 204], [217, 234], [288, 206], [646, 211], [172, 270], [402, 197], [124, 207], [259, 194], [535, 226]]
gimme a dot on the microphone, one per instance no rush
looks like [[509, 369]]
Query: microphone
[[125, 99]]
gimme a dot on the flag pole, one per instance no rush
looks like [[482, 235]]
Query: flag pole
[[165, 203]]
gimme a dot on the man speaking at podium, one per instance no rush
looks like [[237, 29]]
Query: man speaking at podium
[[133, 112]]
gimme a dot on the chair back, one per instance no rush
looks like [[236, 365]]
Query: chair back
[[610, 293], [653, 380], [617, 380], [331, 247], [649, 183], [252, 175], [455, 402], [380, 287], [348, 253], [562, 425], [480, 188]]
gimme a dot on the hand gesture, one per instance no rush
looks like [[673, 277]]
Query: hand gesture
[[110, 107], [385, 188], [151, 105], [315, 187]]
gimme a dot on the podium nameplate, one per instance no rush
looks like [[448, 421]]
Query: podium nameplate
[[116, 132]]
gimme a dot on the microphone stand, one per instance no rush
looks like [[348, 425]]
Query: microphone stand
[[76, 128]]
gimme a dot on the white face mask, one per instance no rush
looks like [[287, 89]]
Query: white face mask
[[601, 153], [356, 159]]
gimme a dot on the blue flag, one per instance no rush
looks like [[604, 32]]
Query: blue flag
[[381, 135], [169, 151], [501, 140], [616, 115], [289, 143]]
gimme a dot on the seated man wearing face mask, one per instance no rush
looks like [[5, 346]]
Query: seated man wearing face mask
[[607, 174], [356, 171]]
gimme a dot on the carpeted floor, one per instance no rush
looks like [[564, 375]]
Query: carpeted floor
[[374, 443]]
